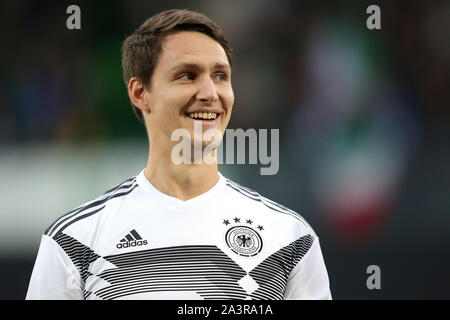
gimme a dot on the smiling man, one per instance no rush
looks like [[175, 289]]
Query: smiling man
[[179, 231]]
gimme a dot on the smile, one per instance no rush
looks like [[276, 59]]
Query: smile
[[203, 115]]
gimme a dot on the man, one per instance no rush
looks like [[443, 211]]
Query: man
[[179, 230]]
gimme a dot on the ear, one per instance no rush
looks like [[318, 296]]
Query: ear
[[137, 93]]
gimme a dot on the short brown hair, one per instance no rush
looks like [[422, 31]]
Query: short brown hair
[[141, 50]]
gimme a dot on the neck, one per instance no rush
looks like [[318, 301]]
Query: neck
[[183, 181]]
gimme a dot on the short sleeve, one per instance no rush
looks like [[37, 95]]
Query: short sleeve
[[54, 275], [308, 280]]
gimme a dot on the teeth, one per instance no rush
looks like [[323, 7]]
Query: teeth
[[203, 115]]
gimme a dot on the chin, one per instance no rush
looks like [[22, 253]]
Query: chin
[[210, 144]]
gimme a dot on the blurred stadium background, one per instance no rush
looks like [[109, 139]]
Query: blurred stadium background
[[363, 117]]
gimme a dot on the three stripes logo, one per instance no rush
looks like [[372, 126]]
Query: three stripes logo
[[132, 239]]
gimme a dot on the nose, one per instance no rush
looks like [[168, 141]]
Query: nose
[[207, 91]]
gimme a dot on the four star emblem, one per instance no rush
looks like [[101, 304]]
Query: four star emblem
[[238, 220]]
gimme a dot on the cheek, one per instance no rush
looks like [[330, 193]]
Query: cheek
[[178, 98], [228, 99], [170, 102]]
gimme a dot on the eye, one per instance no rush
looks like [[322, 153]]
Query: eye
[[220, 76], [186, 76]]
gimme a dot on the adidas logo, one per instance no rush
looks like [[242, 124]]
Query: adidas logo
[[132, 239]]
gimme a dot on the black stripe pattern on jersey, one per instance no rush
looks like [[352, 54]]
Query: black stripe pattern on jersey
[[86, 294], [80, 254], [90, 208], [206, 270], [273, 273], [251, 194], [126, 182]]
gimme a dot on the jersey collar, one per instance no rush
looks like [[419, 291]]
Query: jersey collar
[[157, 195]]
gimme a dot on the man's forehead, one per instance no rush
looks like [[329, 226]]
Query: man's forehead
[[190, 47]]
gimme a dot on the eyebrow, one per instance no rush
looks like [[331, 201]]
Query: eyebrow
[[194, 66]]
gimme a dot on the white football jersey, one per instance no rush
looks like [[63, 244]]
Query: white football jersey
[[135, 242]]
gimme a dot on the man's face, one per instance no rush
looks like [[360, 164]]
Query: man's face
[[192, 78]]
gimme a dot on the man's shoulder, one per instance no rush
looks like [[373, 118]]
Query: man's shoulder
[[253, 197], [95, 207]]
